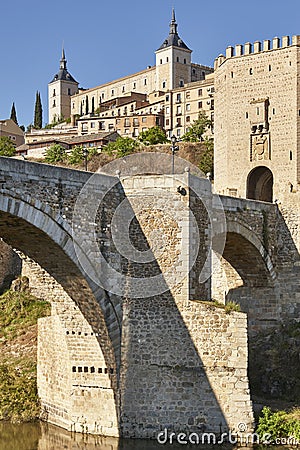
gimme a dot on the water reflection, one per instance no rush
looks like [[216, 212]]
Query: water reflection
[[43, 436]]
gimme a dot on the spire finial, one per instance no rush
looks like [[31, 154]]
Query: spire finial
[[173, 24], [63, 61]]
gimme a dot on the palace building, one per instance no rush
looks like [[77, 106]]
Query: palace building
[[169, 94]]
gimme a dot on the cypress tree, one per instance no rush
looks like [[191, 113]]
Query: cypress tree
[[13, 114], [38, 112]]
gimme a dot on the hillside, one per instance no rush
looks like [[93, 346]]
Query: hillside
[[19, 312]]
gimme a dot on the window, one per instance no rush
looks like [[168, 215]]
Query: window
[[73, 105], [188, 107], [178, 124], [92, 124], [184, 61], [178, 132], [273, 110], [145, 82], [54, 104], [127, 123], [126, 131], [163, 84], [231, 74], [188, 95], [167, 98], [167, 59], [118, 121], [102, 95], [160, 61], [157, 121], [251, 71], [125, 110], [69, 91], [134, 85], [135, 132], [291, 155], [144, 129], [247, 115], [144, 119], [181, 83], [178, 98], [188, 119], [102, 125], [167, 110], [54, 94], [270, 67], [199, 105], [135, 122], [131, 108], [257, 110], [167, 122], [199, 92], [112, 92], [178, 110], [177, 59]]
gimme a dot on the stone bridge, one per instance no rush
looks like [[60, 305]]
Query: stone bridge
[[133, 344]]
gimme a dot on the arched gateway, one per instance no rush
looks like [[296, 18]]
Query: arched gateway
[[260, 184]]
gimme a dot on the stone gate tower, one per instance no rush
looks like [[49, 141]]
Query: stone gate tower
[[60, 90], [257, 120]]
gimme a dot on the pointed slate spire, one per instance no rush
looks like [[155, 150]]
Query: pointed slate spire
[[173, 24], [63, 61], [173, 39]]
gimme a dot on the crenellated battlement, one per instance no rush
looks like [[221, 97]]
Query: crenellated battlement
[[257, 47]]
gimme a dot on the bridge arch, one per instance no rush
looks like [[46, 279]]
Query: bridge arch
[[260, 184], [46, 238]]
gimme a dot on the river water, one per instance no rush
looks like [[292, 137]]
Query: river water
[[42, 436]]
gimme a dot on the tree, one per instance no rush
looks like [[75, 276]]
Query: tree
[[198, 128], [13, 114], [55, 153], [38, 112], [152, 136], [207, 157], [122, 146], [7, 147]]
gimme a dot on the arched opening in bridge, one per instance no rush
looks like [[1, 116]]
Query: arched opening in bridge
[[260, 184]]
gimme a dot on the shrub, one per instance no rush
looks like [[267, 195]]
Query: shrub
[[232, 306], [55, 153]]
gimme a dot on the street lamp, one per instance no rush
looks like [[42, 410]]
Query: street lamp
[[174, 149], [85, 155]]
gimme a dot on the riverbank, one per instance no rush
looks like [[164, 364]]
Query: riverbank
[[19, 312]]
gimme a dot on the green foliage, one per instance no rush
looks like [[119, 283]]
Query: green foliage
[[279, 424], [19, 310], [153, 136], [13, 114], [232, 306], [38, 112], [55, 153], [7, 147], [197, 128], [121, 147], [76, 155], [18, 390], [207, 158]]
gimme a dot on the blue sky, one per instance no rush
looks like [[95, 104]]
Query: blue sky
[[105, 40]]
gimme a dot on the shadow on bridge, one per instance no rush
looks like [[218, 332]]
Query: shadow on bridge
[[155, 368]]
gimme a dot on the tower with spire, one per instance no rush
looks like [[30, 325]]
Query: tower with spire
[[173, 60], [60, 90]]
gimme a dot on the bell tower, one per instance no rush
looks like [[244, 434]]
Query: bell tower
[[60, 90], [173, 60]]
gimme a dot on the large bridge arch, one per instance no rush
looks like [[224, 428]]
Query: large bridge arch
[[89, 342]]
